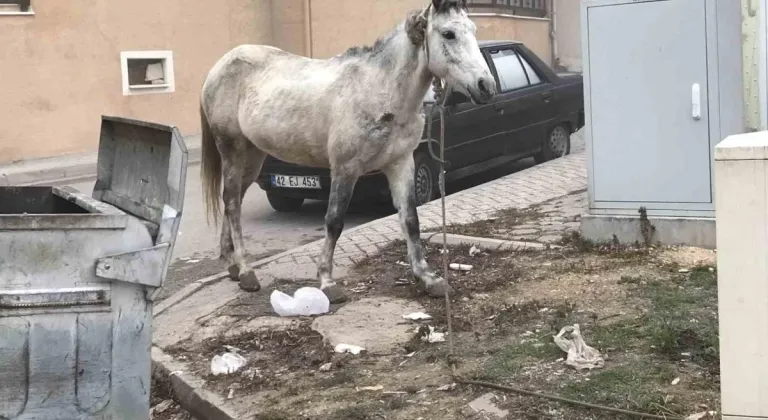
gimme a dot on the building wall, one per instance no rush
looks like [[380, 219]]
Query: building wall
[[567, 25], [60, 68], [340, 24], [533, 32], [288, 26]]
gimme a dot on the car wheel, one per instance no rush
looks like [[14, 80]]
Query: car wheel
[[556, 145], [425, 179], [284, 204]]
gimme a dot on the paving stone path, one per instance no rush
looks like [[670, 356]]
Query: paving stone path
[[560, 216], [523, 189]]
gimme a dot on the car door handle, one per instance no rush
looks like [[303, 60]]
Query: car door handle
[[547, 96]]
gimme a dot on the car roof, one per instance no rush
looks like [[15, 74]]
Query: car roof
[[496, 43]]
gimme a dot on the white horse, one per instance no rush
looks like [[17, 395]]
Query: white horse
[[355, 113]]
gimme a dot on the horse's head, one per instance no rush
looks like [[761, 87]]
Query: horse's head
[[452, 49]]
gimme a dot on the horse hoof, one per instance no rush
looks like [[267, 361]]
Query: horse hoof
[[234, 273], [438, 289], [434, 285], [334, 294], [249, 282]]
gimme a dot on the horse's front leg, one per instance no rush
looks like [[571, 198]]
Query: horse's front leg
[[400, 175], [342, 186]]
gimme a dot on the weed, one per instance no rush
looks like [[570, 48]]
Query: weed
[[634, 386], [647, 229], [272, 415], [617, 335], [511, 359], [338, 378], [574, 240], [361, 411], [630, 280], [612, 248], [370, 410], [683, 317]]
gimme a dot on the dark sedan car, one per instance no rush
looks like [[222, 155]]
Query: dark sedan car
[[534, 114]]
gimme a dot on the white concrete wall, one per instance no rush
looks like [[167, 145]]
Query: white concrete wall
[[741, 200]]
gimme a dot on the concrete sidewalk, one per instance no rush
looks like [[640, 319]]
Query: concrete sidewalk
[[68, 168], [214, 306]]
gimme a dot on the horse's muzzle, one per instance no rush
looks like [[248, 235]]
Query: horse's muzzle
[[483, 91]]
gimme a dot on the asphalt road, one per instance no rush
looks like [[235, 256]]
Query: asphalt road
[[267, 232]]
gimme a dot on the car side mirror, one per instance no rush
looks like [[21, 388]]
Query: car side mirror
[[456, 98]]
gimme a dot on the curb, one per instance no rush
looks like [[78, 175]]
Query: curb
[[488, 244], [188, 389], [70, 168]]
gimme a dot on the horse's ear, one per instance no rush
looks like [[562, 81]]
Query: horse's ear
[[416, 28], [445, 5]]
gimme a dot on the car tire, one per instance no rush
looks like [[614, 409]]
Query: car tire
[[284, 204], [556, 145], [426, 176]]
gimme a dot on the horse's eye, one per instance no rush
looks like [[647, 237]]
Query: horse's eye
[[449, 35]]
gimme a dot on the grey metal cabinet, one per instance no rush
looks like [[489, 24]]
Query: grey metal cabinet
[[662, 84]]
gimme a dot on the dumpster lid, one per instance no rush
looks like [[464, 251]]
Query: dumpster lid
[[141, 167]]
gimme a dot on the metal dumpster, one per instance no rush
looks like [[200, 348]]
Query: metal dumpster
[[78, 275]]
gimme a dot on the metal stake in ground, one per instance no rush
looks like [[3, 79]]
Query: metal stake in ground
[[440, 100]]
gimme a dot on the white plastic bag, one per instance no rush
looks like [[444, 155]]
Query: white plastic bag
[[348, 348], [227, 363], [417, 316], [307, 301], [580, 355], [429, 334]]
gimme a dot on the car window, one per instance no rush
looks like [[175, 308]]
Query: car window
[[430, 96], [532, 76], [512, 74]]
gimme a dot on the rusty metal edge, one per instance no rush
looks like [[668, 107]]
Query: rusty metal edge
[[188, 389]]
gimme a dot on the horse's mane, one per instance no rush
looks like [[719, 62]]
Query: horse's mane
[[363, 50], [381, 42]]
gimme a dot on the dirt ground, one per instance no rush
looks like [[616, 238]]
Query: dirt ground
[[501, 226], [652, 312], [163, 407]]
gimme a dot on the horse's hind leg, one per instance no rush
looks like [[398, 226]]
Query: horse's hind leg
[[342, 186], [400, 175], [242, 162], [253, 164]]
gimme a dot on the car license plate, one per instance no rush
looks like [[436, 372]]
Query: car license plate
[[295, 181]]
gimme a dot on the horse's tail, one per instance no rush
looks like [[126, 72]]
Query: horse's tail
[[210, 169]]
